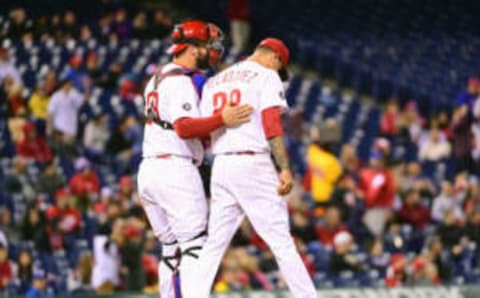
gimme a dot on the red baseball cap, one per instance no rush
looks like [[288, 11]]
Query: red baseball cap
[[281, 50]]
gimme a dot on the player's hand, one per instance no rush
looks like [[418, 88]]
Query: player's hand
[[286, 182], [233, 116]]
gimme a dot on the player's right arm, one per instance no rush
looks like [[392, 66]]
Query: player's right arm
[[186, 118], [201, 127]]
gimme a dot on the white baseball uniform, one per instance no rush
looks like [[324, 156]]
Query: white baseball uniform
[[244, 180], [168, 179]]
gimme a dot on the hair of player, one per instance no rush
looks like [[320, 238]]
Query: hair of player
[[263, 50]]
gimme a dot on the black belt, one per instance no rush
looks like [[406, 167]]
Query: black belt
[[163, 124], [247, 152]]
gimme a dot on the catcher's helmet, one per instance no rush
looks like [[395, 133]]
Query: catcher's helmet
[[196, 32]]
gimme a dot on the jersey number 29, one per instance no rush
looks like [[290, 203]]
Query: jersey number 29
[[220, 99]]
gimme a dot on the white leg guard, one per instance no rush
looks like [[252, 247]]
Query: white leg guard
[[189, 261], [167, 269]]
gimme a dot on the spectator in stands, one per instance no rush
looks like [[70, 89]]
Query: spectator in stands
[[324, 169], [161, 25], [150, 264], [18, 181], [110, 80], [24, 272], [377, 258], [8, 69], [473, 227], [93, 68], [412, 178], [125, 194], [342, 258], [413, 212], [96, 136], [377, 186], [443, 121], [50, 180], [19, 25], [55, 27], [50, 83], [106, 196], [424, 273], [410, 126], [34, 228], [472, 199], [85, 183], [63, 111], [6, 270], [41, 29], [65, 214], [450, 232], [104, 26], [7, 225], [396, 272], [33, 146], [38, 103], [69, 26], [331, 226], [447, 201], [106, 255], [16, 104], [79, 277], [131, 251], [468, 97], [389, 120], [139, 25], [436, 147], [436, 256], [77, 74], [39, 287], [302, 227], [121, 26], [345, 198], [462, 138], [349, 159], [239, 14], [475, 152], [119, 145], [85, 34]]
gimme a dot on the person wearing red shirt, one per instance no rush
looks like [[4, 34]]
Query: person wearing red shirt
[[396, 272], [239, 13], [413, 212], [69, 218], [85, 181], [33, 146], [378, 189], [6, 272], [332, 225], [388, 122]]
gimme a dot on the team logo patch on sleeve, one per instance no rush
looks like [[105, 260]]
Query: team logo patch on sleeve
[[186, 106]]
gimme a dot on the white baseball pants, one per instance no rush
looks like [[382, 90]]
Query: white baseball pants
[[173, 197], [246, 185]]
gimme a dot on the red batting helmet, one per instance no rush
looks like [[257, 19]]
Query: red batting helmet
[[197, 33]]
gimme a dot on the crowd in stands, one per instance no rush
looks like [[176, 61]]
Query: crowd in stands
[[70, 218]]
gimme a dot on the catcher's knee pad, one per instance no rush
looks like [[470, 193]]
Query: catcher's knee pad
[[171, 255], [192, 247]]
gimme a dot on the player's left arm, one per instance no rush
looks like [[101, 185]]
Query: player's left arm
[[272, 102], [272, 126]]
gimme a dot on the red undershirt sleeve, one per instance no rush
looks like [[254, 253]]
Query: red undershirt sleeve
[[189, 128], [272, 124]]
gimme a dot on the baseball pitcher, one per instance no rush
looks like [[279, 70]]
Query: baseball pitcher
[[245, 181]]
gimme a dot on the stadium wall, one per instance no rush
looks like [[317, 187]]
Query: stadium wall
[[417, 292]]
